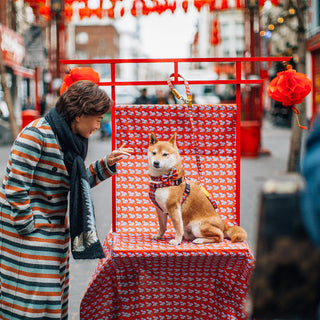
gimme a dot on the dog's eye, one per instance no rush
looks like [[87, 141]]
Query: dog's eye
[[165, 154], [154, 153]]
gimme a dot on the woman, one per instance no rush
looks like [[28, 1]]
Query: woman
[[45, 163]]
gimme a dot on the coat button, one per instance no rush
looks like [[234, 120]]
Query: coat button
[[54, 169]]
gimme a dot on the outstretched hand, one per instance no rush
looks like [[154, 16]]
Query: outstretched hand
[[118, 155]]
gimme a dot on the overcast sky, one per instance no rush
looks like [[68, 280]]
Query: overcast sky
[[167, 35]]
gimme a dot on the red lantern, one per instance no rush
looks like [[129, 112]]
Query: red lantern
[[185, 6], [68, 13], [85, 12], [134, 9], [198, 4], [238, 4], [45, 12], [110, 13], [224, 5], [122, 11], [290, 87], [215, 38], [77, 74], [172, 7], [212, 5], [145, 9]]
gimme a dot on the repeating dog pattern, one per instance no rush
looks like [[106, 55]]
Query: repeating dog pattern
[[215, 131], [145, 279]]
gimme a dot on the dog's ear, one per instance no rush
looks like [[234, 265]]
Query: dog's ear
[[172, 140], [153, 139]]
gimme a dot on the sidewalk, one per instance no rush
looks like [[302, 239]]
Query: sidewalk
[[254, 172]]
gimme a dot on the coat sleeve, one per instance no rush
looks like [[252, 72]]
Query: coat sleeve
[[99, 171], [24, 157]]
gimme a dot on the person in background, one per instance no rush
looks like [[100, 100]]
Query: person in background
[[160, 97], [45, 165], [28, 105], [43, 105], [143, 98]]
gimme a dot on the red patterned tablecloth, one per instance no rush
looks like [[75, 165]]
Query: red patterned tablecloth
[[146, 279]]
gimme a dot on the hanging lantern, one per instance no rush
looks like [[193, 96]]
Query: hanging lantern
[[212, 5], [185, 6], [122, 12], [69, 2], [134, 9], [68, 13], [224, 5], [78, 74], [198, 4], [215, 37], [84, 12], [145, 9], [45, 12], [290, 87], [238, 4], [172, 7]]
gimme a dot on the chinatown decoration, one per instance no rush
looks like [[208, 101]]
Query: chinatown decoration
[[117, 8], [290, 87], [215, 32], [77, 74]]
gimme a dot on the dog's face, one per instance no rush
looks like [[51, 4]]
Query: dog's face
[[162, 155]]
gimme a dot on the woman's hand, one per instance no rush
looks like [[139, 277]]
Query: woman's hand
[[118, 154]]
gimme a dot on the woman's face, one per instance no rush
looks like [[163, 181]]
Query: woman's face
[[84, 125]]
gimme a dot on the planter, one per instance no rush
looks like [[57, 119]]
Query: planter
[[250, 138]]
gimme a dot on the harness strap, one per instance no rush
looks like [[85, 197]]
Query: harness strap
[[154, 186], [188, 101]]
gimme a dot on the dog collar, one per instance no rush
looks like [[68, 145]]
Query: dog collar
[[169, 179]]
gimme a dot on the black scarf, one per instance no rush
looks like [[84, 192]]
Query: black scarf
[[84, 239]]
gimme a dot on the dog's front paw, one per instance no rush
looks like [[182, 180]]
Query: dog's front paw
[[174, 242], [156, 237]]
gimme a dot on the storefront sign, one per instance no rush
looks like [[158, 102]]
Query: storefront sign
[[12, 47], [33, 41]]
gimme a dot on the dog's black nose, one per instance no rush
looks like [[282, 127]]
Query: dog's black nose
[[156, 164]]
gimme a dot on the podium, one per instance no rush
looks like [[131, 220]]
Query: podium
[[142, 278]]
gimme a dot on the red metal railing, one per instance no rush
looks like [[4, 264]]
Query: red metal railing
[[238, 81]]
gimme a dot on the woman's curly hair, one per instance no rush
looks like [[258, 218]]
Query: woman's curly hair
[[83, 97]]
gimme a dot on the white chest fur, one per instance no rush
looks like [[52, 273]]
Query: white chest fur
[[161, 196]]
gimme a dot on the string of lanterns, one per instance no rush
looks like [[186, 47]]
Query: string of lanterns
[[118, 9]]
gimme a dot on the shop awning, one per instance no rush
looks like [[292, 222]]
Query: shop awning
[[23, 72]]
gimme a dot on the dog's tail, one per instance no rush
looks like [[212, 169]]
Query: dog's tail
[[235, 233]]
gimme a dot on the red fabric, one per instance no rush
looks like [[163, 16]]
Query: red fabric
[[77, 74], [289, 87], [149, 279]]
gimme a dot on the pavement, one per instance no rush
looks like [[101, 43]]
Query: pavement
[[254, 173]]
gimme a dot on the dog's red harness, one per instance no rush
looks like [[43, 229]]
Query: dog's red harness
[[166, 181]]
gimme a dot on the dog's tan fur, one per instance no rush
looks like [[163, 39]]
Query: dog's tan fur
[[196, 219]]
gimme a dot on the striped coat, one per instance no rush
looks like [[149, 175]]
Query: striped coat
[[34, 229]]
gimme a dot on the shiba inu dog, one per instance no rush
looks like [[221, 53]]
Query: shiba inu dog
[[193, 215]]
